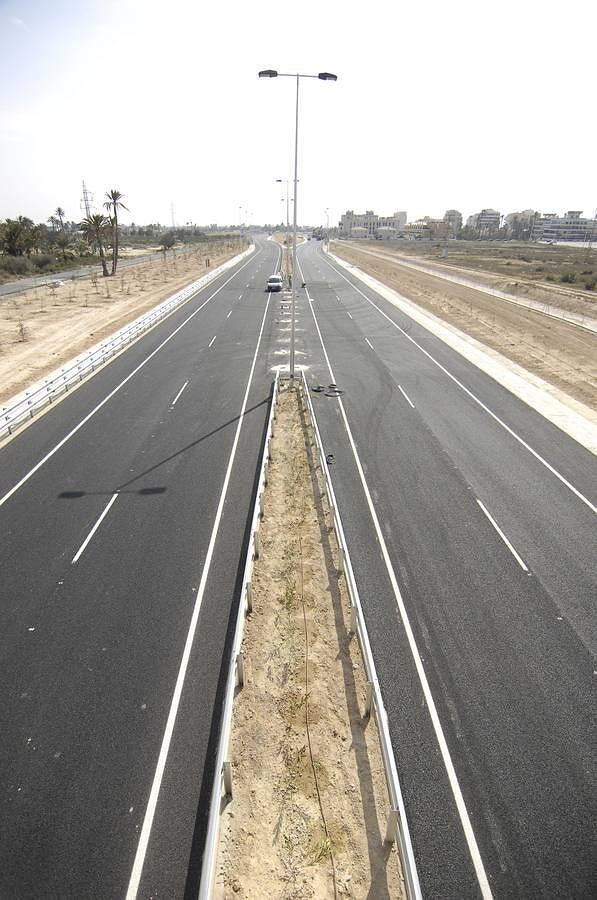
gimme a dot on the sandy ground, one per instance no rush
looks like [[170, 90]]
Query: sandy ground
[[298, 731], [563, 354], [514, 266], [506, 273], [47, 326]]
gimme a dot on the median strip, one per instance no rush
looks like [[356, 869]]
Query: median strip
[[308, 808]]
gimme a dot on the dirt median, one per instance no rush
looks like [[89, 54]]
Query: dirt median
[[309, 806]]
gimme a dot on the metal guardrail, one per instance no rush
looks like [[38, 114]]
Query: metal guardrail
[[31, 402], [223, 769], [397, 825]]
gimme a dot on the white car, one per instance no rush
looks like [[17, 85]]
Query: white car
[[275, 283]]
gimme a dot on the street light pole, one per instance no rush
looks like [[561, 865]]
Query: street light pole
[[322, 76], [293, 296]]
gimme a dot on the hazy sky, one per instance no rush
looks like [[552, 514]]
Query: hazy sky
[[437, 105]]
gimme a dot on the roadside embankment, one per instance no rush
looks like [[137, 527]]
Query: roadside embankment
[[562, 354], [309, 805], [50, 324]]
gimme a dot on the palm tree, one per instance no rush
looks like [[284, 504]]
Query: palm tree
[[113, 204], [64, 242], [93, 227], [60, 214], [53, 222]]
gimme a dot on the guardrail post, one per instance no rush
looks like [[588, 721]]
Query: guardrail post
[[227, 773], [353, 619], [256, 544], [249, 597], [240, 669], [341, 560], [392, 827], [368, 700], [261, 510]]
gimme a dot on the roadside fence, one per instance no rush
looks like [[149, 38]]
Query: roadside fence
[[27, 404], [236, 674], [397, 825]]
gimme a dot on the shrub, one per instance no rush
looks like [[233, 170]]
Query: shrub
[[568, 278], [587, 272], [16, 265], [42, 260], [550, 278], [590, 285]]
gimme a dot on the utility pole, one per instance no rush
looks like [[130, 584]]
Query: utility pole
[[86, 200]]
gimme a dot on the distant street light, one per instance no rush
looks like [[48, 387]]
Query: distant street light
[[322, 76], [286, 181]]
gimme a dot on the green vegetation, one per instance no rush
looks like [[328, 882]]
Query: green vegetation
[[97, 230], [27, 248], [57, 245], [114, 203]]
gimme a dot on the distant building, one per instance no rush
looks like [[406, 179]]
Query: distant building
[[486, 222], [370, 225], [454, 220], [571, 227], [519, 225], [428, 229]]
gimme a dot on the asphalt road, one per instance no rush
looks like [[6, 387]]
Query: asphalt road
[[476, 565], [121, 562], [124, 515]]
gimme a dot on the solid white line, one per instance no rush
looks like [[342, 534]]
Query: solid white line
[[211, 342], [439, 734], [179, 393], [169, 730], [518, 559], [348, 314], [229, 314], [81, 549], [476, 399], [89, 415], [405, 395], [369, 342]]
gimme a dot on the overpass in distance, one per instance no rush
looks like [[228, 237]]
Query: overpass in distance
[[475, 563]]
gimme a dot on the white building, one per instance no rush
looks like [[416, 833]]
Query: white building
[[371, 223], [454, 219], [486, 222], [570, 227]]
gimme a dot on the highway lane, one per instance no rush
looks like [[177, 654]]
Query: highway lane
[[93, 633], [507, 654]]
